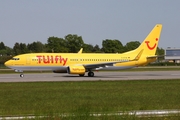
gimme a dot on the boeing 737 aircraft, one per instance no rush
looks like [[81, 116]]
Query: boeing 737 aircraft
[[80, 63]]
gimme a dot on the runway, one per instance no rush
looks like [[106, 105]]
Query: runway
[[140, 75]]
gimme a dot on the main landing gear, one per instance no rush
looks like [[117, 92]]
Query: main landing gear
[[90, 74]]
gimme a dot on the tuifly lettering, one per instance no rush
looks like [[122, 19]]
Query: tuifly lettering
[[51, 59]]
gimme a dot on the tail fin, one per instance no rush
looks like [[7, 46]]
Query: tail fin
[[149, 45]]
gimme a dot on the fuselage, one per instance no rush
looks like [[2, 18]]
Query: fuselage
[[60, 61]]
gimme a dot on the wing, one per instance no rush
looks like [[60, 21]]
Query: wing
[[80, 51], [104, 64]]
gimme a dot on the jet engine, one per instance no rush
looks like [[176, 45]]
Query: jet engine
[[76, 70]]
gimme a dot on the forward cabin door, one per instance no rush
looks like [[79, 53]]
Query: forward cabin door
[[28, 60]]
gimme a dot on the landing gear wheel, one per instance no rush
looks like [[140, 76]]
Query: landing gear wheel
[[91, 74], [21, 75], [81, 75]]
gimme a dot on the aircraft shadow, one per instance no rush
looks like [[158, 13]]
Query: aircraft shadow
[[75, 76]]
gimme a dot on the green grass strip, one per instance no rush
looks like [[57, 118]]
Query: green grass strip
[[42, 98]]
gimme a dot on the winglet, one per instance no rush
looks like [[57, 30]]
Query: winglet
[[80, 51], [139, 55]]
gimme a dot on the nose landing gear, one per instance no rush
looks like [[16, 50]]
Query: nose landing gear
[[21, 75]]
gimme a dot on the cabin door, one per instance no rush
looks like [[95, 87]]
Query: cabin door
[[28, 60]]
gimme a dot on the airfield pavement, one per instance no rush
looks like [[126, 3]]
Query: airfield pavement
[[139, 75]]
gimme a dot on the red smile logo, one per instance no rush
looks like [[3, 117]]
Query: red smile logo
[[151, 47]]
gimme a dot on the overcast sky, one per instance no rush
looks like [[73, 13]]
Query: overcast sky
[[27, 21]]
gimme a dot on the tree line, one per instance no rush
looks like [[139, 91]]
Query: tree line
[[71, 43]]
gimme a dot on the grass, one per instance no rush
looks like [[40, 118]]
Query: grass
[[83, 98]]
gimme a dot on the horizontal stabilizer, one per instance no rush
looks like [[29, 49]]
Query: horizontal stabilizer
[[155, 56]]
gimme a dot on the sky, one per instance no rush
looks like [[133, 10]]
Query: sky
[[26, 21]]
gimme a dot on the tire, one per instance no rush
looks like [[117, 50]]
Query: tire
[[21, 75], [91, 74]]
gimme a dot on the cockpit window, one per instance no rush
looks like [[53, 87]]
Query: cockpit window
[[15, 58]]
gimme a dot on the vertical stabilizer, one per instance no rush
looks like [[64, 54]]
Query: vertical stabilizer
[[150, 44]]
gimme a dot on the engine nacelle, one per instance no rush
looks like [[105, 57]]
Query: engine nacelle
[[76, 70]]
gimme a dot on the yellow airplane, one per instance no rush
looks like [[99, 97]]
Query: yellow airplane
[[80, 63]]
